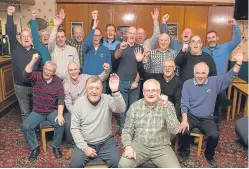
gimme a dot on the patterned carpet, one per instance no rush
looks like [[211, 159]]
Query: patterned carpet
[[14, 149]]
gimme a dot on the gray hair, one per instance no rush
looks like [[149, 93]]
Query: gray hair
[[202, 64], [51, 63]]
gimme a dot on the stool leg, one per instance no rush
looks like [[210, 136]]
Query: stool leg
[[200, 146], [239, 102], [44, 144], [228, 97], [246, 107], [234, 102]]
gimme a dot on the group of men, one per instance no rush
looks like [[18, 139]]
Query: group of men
[[77, 85]]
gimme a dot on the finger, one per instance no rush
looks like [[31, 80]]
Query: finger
[[134, 155]]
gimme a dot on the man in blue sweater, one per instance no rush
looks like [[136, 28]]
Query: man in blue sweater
[[197, 106], [95, 54]]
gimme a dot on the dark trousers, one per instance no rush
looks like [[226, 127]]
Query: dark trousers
[[69, 138], [106, 150], [221, 97], [207, 127]]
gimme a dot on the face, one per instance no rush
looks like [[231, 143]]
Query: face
[[96, 37], [26, 39], [44, 37], [78, 34], [60, 39], [151, 93], [186, 35], [201, 73], [195, 45], [164, 41], [212, 39], [131, 35], [48, 72], [94, 91], [110, 32], [168, 68], [141, 35], [73, 71]]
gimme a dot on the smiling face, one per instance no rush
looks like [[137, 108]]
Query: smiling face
[[169, 68], [110, 32], [131, 35], [60, 39], [44, 36], [94, 89], [141, 35], [49, 70], [151, 91], [201, 71], [26, 39], [196, 45], [78, 34], [164, 41], [186, 35], [212, 39], [73, 70], [97, 37]]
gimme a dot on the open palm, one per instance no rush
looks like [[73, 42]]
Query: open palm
[[114, 82], [139, 55]]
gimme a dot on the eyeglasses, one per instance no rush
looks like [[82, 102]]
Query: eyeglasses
[[197, 42], [97, 36], [168, 67], [147, 91], [48, 70]]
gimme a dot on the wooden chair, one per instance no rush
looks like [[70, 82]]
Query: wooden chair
[[96, 163], [45, 127], [195, 132]]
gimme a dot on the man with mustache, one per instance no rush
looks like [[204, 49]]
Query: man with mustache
[[197, 107], [187, 59], [21, 55], [221, 53]]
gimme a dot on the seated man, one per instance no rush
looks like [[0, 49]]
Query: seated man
[[147, 129], [48, 104], [74, 89], [91, 123], [197, 106]]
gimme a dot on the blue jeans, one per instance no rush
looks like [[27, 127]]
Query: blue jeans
[[129, 95], [33, 120]]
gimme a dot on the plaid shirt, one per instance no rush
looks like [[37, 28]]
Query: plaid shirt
[[157, 58], [78, 46], [150, 127]]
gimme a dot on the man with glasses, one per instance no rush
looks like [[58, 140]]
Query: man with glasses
[[48, 104], [147, 129], [96, 56], [187, 59]]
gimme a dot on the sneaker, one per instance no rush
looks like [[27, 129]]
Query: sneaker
[[212, 162], [182, 159], [34, 154]]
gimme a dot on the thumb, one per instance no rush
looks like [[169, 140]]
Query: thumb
[[55, 119]]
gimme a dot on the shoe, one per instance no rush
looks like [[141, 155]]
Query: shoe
[[212, 162], [57, 152], [69, 154], [34, 154], [182, 159]]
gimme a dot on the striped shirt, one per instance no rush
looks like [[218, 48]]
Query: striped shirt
[[156, 60], [46, 96]]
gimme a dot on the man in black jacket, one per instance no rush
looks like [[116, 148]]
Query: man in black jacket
[[21, 55]]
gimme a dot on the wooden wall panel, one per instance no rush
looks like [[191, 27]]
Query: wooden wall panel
[[120, 13], [196, 19], [144, 19], [218, 21], [176, 15]]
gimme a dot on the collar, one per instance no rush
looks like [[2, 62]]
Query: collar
[[159, 50], [195, 83], [216, 47], [107, 41], [153, 107], [167, 80], [53, 79]]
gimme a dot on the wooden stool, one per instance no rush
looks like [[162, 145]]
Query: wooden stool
[[195, 132], [45, 127], [96, 163]]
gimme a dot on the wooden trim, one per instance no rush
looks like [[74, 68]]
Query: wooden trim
[[5, 94], [146, 2]]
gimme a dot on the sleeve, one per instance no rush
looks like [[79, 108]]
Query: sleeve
[[68, 98], [76, 58], [52, 39], [174, 44], [185, 100], [76, 129], [69, 41], [10, 31], [147, 65], [164, 27], [142, 73], [109, 60], [88, 43], [212, 66], [117, 103], [171, 119], [35, 34], [180, 58], [235, 40], [223, 81], [60, 94], [154, 38], [32, 76], [128, 130]]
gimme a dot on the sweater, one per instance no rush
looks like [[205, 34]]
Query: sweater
[[186, 61], [199, 100], [91, 124]]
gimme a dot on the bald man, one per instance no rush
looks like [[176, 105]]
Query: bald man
[[147, 129], [127, 70], [153, 62], [21, 55], [197, 106]]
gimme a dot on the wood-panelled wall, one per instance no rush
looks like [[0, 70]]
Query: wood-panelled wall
[[199, 18]]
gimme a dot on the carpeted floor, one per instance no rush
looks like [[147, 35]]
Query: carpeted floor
[[14, 149]]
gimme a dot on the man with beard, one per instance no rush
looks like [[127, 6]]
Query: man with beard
[[187, 59], [21, 55], [48, 104], [74, 89], [197, 107], [221, 54]]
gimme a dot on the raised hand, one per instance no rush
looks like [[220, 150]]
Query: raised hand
[[95, 14], [114, 82], [11, 10], [185, 47], [62, 14], [232, 21], [57, 20], [106, 67], [165, 18], [35, 57], [90, 152], [238, 56], [155, 14], [95, 23], [123, 45], [34, 14], [139, 55]]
